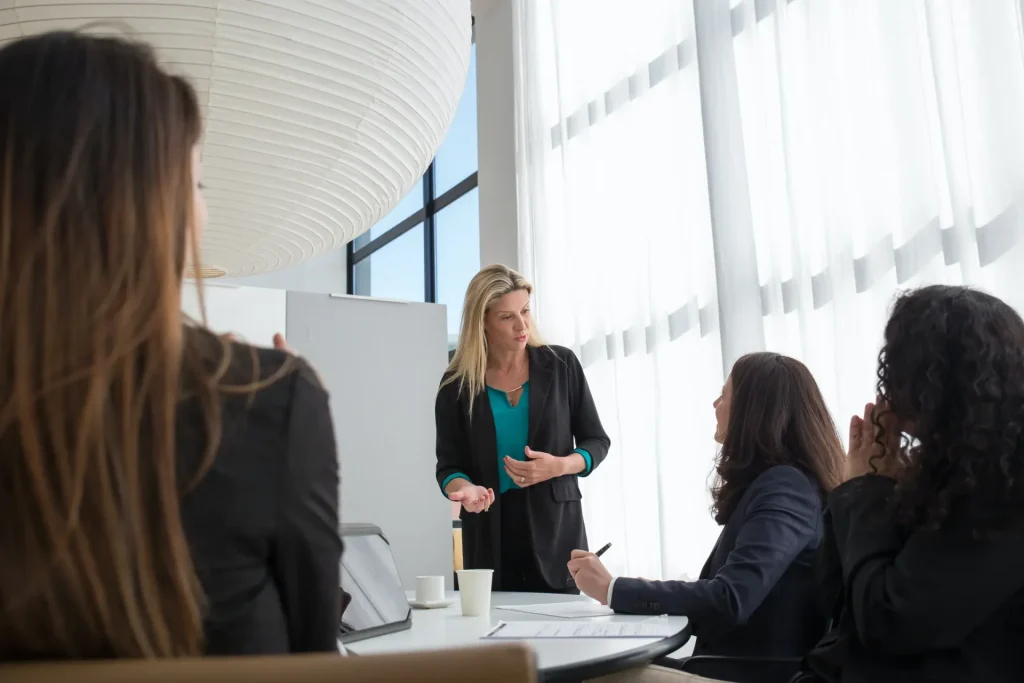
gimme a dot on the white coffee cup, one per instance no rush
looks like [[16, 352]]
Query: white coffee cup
[[429, 589], [475, 591]]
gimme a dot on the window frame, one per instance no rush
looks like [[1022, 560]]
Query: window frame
[[427, 216]]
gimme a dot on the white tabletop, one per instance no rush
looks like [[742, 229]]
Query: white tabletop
[[434, 629]]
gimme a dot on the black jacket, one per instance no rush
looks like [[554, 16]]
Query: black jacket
[[562, 417], [923, 606], [263, 522], [756, 594]]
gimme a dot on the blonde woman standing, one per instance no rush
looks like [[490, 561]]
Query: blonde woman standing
[[516, 426]]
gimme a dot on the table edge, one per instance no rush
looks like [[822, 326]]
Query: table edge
[[609, 664]]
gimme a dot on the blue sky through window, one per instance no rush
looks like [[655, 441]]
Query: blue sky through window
[[458, 255], [394, 272]]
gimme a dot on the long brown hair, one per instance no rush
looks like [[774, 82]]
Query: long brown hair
[[95, 220], [777, 416]]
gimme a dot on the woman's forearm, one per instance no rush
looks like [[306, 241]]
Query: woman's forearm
[[574, 463]]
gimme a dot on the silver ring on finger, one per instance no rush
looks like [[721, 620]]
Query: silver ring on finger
[[522, 480]]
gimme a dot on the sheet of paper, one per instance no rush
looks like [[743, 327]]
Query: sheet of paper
[[565, 610], [527, 630]]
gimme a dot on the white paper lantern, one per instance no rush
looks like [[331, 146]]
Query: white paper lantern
[[320, 114]]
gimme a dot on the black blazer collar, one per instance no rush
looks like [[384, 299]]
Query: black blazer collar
[[541, 376]]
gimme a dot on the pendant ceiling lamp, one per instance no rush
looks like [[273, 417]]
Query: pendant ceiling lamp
[[320, 114]]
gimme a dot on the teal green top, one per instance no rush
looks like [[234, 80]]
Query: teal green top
[[511, 429]]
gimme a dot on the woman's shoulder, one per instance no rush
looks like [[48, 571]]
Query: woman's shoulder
[[553, 354], [257, 393], [266, 380], [276, 377], [450, 385], [788, 481], [562, 352]]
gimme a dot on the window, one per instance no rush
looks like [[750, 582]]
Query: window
[[394, 272], [428, 247], [458, 255]]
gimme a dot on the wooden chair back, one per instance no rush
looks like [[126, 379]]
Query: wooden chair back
[[507, 663]]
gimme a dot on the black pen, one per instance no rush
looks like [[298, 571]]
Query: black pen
[[599, 553]]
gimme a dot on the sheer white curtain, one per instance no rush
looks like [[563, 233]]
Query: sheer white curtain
[[616, 236], [699, 179], [884, 148]]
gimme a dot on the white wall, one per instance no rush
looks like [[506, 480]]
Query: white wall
[[253, 313], [496, 144]]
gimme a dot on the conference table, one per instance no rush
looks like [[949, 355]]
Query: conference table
[[557, 659]]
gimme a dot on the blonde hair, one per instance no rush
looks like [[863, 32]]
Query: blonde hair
[[469, 365]]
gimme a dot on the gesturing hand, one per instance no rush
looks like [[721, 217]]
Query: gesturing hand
[[590, 575], [866, 455], [281, 345], [279, 342], [473, 498], [538, 467]]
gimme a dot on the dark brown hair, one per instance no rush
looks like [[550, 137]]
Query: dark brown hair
[[96, 197], [952, 370], [777, 416]]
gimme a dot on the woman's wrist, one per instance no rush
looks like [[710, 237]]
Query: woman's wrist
[[574, 463], [457, 484]]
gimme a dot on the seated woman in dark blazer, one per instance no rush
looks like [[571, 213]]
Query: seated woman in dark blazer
[[164, 492], [926, 558], [780, 455]]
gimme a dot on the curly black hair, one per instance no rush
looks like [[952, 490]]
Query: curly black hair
[[951, 370], [777, 416]]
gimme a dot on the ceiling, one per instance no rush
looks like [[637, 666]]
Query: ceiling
[[320, 114]]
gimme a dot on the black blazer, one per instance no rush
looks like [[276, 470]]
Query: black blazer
[[263, 522], [756, 594], [562, 417], [922, 606]]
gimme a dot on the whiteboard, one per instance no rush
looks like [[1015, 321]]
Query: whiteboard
[[382, 362]]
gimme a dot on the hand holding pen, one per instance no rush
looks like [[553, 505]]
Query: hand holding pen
[[589, 575]]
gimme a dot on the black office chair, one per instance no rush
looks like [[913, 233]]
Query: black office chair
[[738, 669]]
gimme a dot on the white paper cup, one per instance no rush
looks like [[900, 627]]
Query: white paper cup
[[429, 589], [475, 591]]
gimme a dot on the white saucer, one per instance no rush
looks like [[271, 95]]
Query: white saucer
[[436, 604]]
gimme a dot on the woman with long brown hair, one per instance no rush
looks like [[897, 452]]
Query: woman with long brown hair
[[165, 492], [780, 456]]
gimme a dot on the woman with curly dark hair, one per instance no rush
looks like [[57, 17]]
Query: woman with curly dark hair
[[780, 455], [927, 547]]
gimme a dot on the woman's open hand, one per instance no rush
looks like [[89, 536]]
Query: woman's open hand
[[473, 498]]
